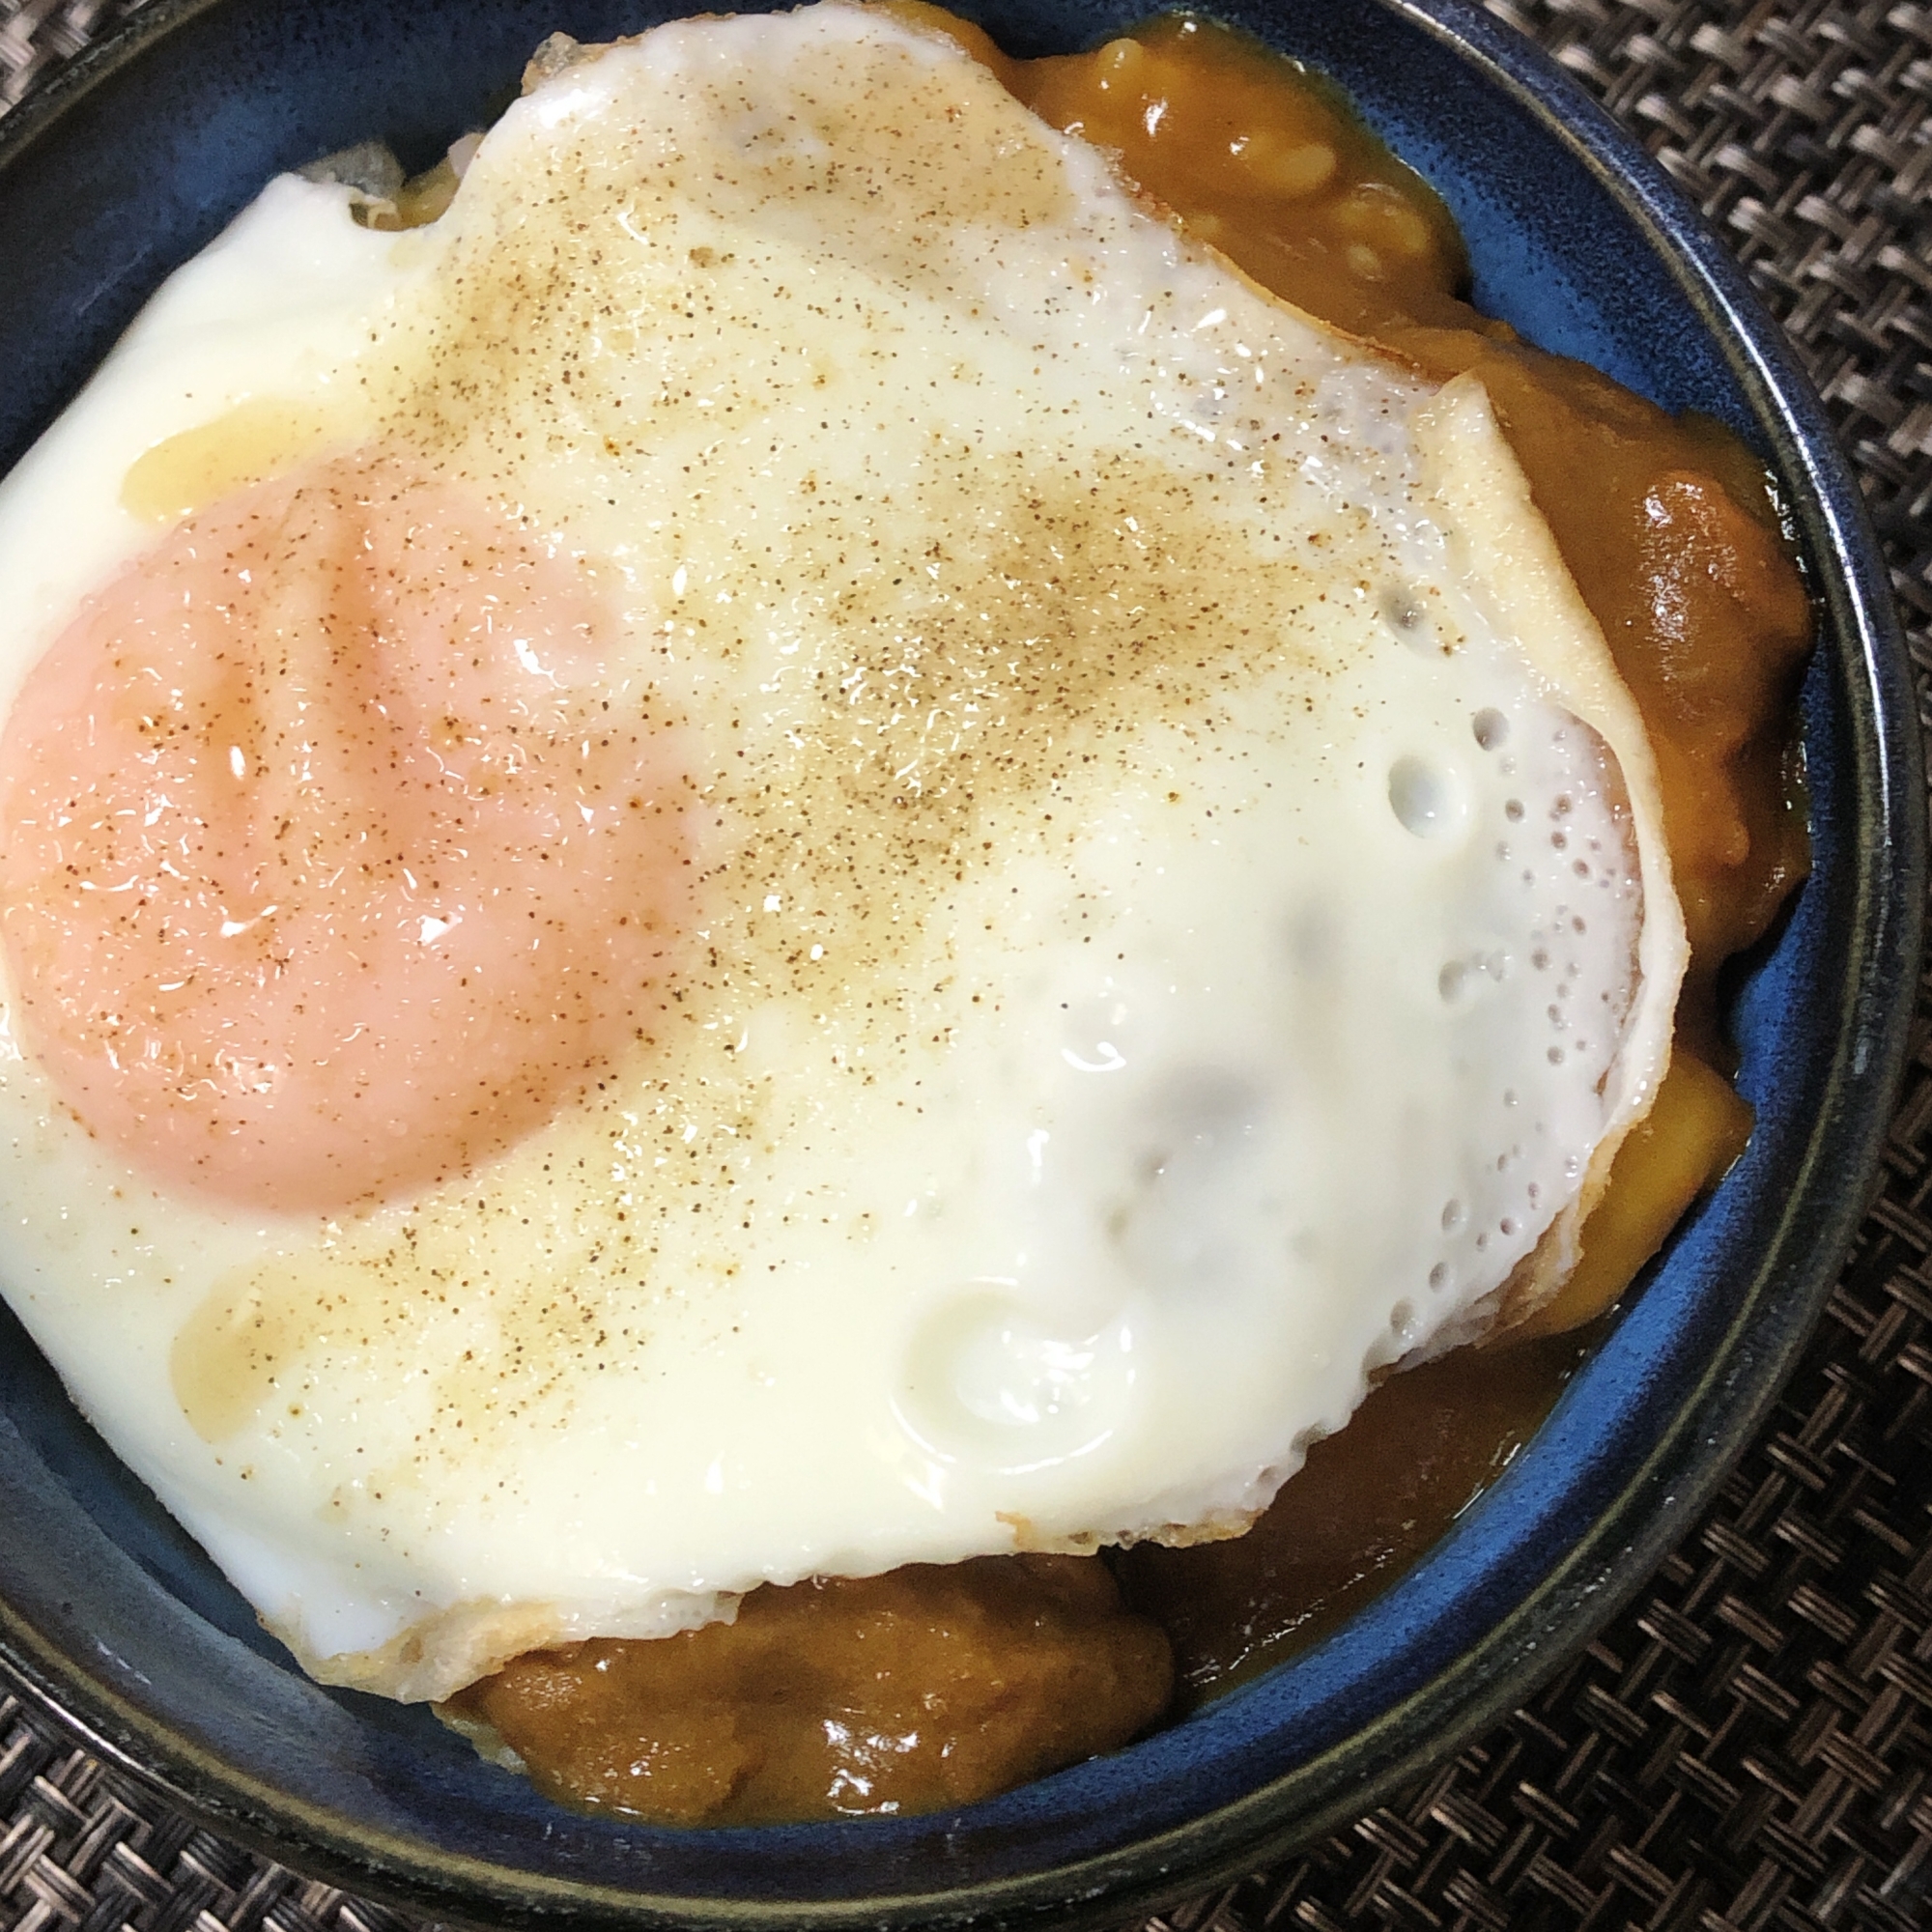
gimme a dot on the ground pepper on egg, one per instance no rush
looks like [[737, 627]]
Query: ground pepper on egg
[[1674, 540]]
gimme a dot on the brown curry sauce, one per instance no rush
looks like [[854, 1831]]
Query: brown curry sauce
[[930, 1686]]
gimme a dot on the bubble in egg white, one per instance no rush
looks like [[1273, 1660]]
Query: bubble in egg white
[[1425, 798], [986, 1381], [1491, 727]]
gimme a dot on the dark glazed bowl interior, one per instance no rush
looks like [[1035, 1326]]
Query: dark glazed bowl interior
[[136, 159]]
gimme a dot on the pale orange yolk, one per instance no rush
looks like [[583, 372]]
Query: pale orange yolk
[[329, 868]]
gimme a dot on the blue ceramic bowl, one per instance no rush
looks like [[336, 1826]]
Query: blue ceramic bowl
[[134, 159]]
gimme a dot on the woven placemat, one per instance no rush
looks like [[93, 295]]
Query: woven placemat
[[1749, 1745]]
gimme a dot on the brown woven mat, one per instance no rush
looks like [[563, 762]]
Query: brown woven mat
[[1751, 1745]]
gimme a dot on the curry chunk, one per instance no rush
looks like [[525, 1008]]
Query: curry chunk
[[930, 1686]]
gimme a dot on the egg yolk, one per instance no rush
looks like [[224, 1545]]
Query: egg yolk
[[330, 870]]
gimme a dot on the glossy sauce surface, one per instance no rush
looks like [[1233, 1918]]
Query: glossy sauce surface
[[1002, 1668], [932, 1684], [1364, 1506]]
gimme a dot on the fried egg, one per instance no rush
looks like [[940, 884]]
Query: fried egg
[[795, 849]]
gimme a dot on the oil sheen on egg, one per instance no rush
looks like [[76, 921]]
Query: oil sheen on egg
[[1152, 895]]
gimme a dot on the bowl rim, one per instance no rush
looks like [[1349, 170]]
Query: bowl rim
[[1660, 1499]]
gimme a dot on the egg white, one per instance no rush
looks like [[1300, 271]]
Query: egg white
[[1183, 922]]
